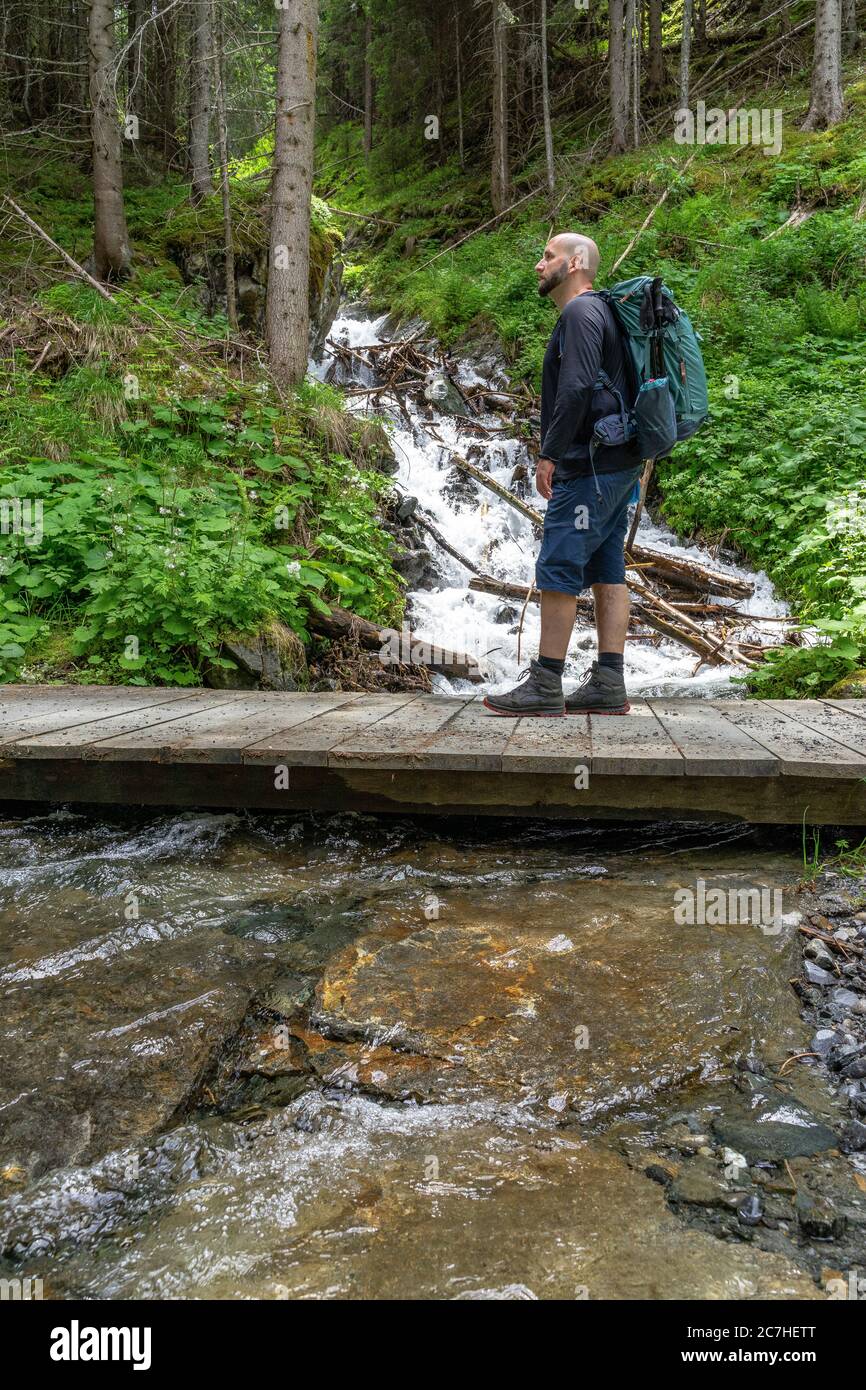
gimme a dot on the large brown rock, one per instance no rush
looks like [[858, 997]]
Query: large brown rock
[[585, 1018]]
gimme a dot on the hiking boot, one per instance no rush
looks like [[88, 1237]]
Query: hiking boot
[[602, 692], [540, 693]]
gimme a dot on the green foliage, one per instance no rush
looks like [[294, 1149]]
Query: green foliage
[[780, 473], [188, 519]]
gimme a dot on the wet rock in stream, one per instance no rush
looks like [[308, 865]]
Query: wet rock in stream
[[88, 1068], [759, 1137], [515, 1011]]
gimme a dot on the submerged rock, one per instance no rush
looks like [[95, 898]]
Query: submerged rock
[[817, 1218], [614, 1018], [750, 1212], [774, 1140], [106, 1057]]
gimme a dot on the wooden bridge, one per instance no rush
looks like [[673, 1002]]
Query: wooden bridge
[[761, 761]]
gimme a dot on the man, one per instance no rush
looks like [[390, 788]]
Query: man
[[585, 365]]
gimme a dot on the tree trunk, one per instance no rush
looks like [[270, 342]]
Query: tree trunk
[[79, 22], [134, 73], [685, 54], [701, 22], [657, 74], [500, 180], [158, 107], [288, 298], [368, 88], [460, 151], [6, 71], [219, 83], [617, 77], [633, 14], [439, 43], [545, 106], [199, 125], [111, 253], [168, 88], [827, 103], [850, 36]]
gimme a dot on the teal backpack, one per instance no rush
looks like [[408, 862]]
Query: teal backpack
[[670, 382]]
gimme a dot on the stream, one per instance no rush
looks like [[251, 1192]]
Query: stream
[[349, 1057]]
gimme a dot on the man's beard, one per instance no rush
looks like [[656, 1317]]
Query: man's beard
[[551, 281]]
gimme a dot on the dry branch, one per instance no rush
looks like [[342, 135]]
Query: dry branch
[[445, 544]]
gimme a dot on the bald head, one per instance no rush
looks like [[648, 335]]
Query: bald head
[[568, 265], [581, 249]]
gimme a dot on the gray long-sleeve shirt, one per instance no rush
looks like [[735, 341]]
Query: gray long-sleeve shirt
[[585, 339]]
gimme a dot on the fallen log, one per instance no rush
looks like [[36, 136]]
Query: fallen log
[[403, 648], [655, 610], [486, 481], [585, 609], [690, 574], [650, 610], [502, 588]]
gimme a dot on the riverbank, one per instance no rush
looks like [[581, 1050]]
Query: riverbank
[[793, 1152]]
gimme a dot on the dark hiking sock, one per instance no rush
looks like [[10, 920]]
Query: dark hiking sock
[[550, 663], [612, 660]]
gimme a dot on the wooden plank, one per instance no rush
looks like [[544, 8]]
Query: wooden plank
[[842, 726], [633, 744], [857, 707], [400, 739], [472, 742], [550, 745], [68, 709], [218, 734], [89, 740], [802, 751], [83, 692], [759, 800], [712, 747], [310, 744]]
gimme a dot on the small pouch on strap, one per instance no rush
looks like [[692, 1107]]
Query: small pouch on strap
[[611, 430]]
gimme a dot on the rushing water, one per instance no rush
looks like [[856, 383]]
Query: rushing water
[[500, 541], [349, 1057], [525, 1017]]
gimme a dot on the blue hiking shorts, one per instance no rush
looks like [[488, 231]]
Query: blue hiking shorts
[[584, 533]]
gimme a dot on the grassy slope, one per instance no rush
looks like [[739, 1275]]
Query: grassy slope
[[782, 319], [180, 502]]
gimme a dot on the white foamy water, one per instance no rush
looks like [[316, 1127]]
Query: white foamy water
[[502, 543]]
